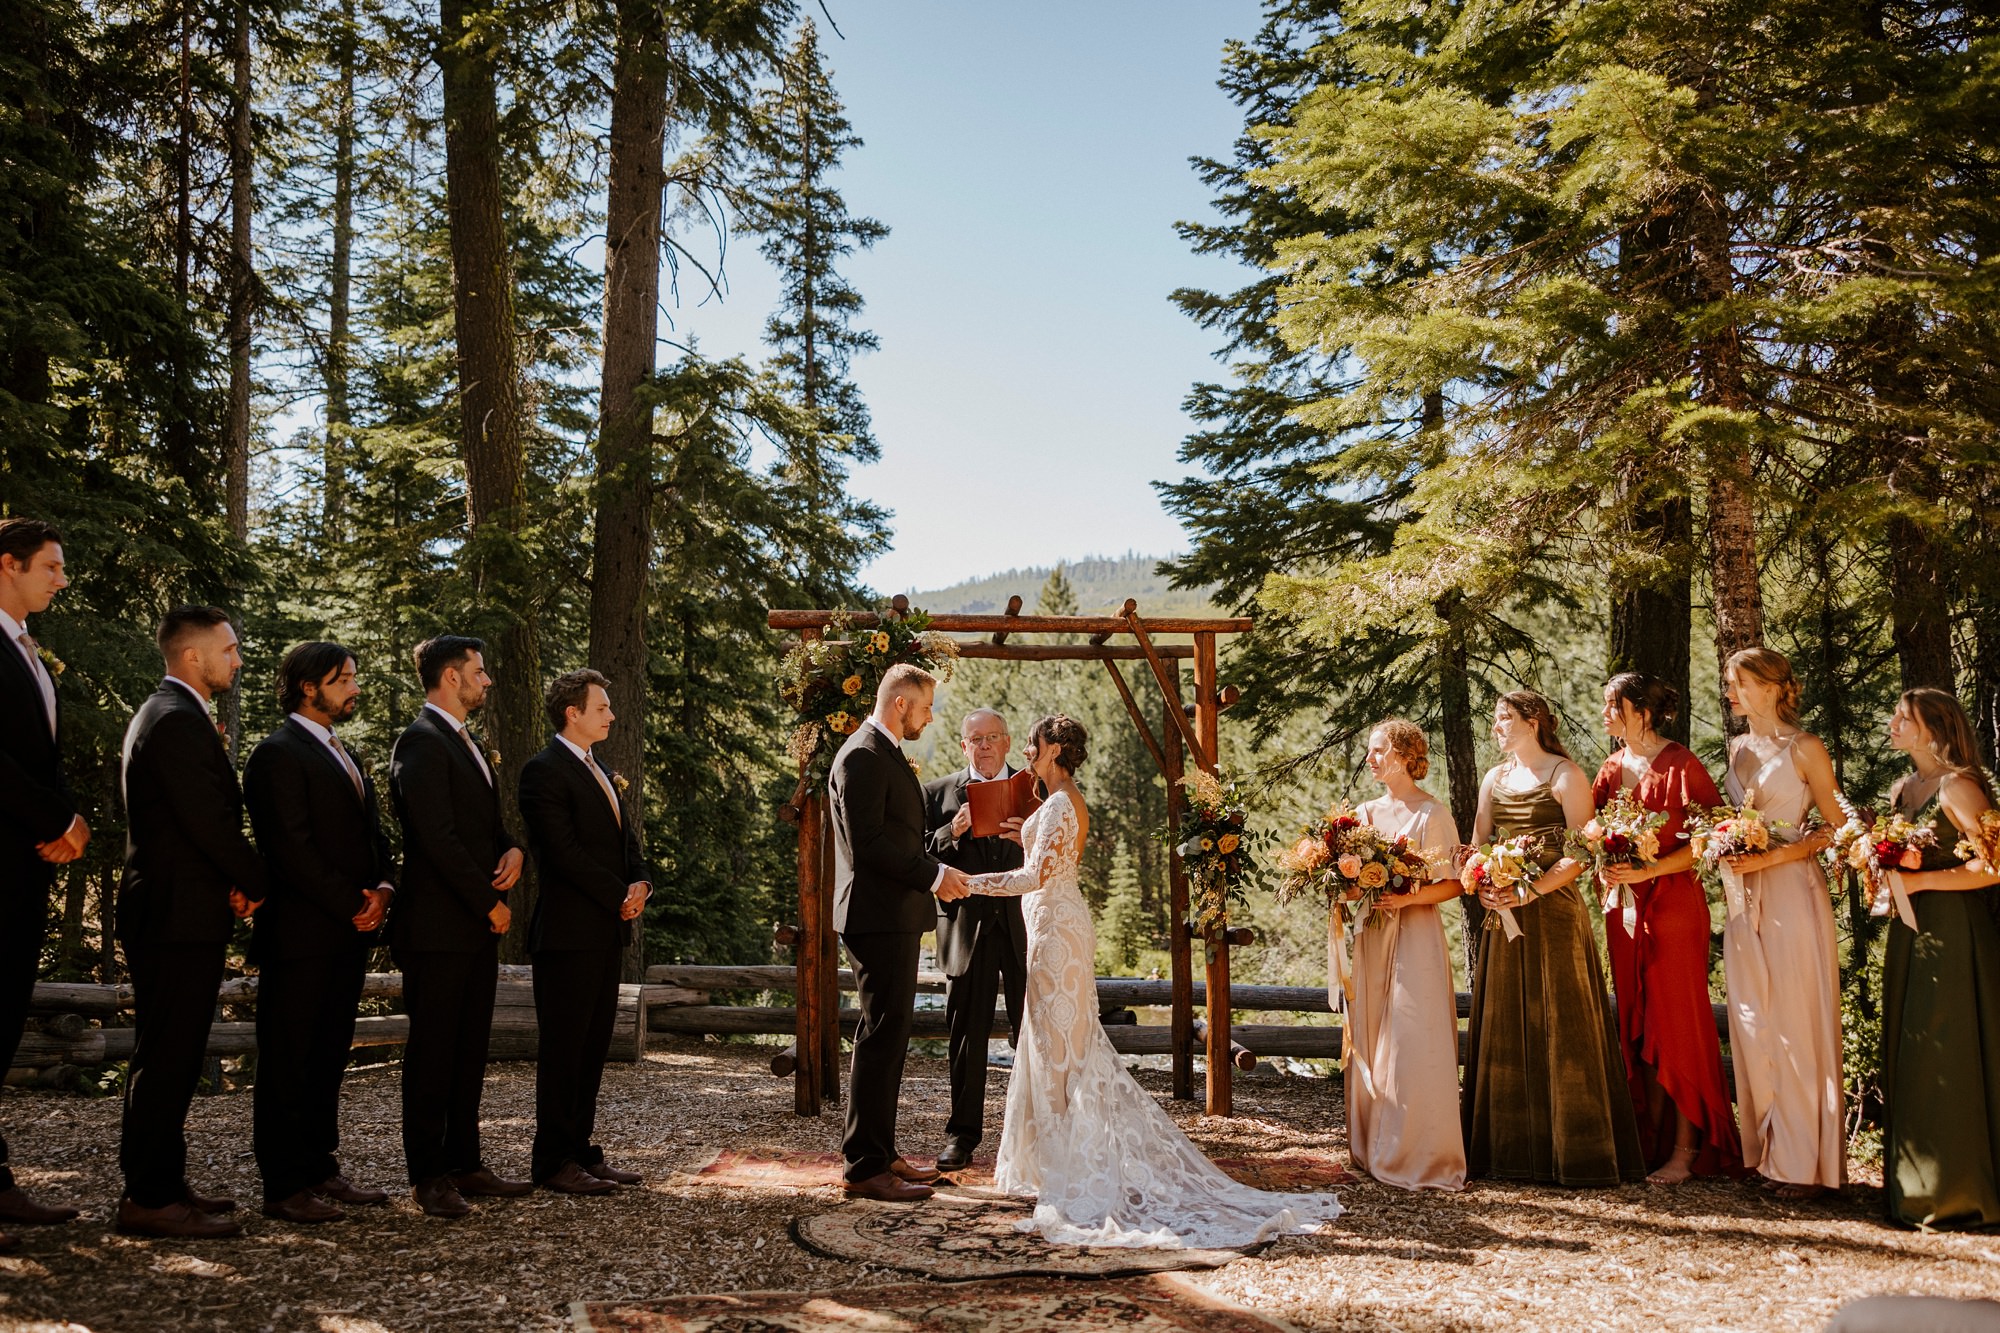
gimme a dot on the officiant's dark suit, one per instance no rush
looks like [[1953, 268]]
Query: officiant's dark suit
[[587, 854], [323, 842], [982, 945], [185, 850], [882, 905], [439, 933]]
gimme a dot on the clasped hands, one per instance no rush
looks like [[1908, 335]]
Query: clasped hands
[[953, 885], [61, 851]]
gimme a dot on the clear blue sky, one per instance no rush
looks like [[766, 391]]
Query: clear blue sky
[[1030, 159]]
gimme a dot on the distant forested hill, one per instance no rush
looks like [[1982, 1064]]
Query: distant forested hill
[[1099, 584]]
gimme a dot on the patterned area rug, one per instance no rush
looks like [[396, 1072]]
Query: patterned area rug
[[1155, 1304], [1298, 1172], [957, 1237]]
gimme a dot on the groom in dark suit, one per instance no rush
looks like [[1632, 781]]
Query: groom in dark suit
[[885, 891], [594, 885], [40, 828], [313, 809], [982, 942]]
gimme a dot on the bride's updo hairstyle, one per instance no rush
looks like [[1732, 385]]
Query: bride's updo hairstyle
[[1067, 735]]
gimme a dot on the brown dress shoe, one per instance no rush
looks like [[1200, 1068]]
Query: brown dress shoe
[[606, 1171], [342, 1190], [916, 1175], [573, 1179], [203, 1204], [9, 1244], [18, 1207], [176, 1221], [305, 1206], [438, 1198], [483, 1184], [887, 1188]]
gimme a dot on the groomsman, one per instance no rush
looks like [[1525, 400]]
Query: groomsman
[[313, 809], [982, 943], [458, 863], [594, 884], [40, 828], [188, 867]]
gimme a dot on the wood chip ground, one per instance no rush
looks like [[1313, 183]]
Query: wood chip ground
[[1706, 1256]]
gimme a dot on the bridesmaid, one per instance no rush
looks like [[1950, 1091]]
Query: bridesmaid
[[1778, 952], [1941, 992], [1666, 1024], [1402, 1070], [1545, 1091]]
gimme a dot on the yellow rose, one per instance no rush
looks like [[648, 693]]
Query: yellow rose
[[852, 685], [1374, 875], [881, 641], [839, 722], [1228, 843]]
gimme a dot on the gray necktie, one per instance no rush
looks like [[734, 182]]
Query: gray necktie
[[43, 681], [353, 773]]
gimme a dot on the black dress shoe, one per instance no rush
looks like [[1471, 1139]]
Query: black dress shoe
[[18, 1207], [957, 1154], [305, 1206], [483, 1184], [573, 1179], [438, 1198], [176, 1221], [342, 1190], [886, 1188], [606, 1171]]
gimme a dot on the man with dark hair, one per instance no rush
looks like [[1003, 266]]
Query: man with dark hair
[[313, 809], [594, 885], [40, 828], [982, 942], [451, 910], [187, 867]]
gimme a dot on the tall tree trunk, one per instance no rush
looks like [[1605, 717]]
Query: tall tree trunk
[[179, 424], [242, 301], [339, 348], [623, 557], [1461, 763], [490, 434], [1721, 382], [1652, 617]]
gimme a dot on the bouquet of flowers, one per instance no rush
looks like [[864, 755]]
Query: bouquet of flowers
[[830, 681], [1719, 832], [1510, 866], [1214, 847], [1983, 844], [1347, 860], [1623, 833]]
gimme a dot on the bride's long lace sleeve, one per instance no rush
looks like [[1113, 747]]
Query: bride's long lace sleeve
[[1051, 851]]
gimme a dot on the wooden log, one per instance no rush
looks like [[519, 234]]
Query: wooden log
[[661, 997], [748, 1020], [829, 956], [771, 977], [67, 1027], [1013, 609], [1180, 964], [987, 624], [79, 997], [784, 936], [1208, 754], [785, 1061], [1138, 717], [1238, 937], [1068, 652], [517, 1035], [807, 1018], [1239, 1055]]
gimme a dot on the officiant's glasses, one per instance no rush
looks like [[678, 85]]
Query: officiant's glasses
[[986, 738]]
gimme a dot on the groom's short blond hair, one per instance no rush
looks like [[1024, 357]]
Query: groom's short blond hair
[[903, 680]]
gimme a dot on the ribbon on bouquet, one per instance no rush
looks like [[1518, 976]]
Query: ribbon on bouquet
[[1508, 923], [1735, 892], [1893, 891], [1341, 994], [1623, 900]]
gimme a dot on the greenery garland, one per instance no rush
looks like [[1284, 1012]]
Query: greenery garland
[[830, 681]]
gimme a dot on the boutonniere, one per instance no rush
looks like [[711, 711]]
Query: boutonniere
[[51, 661], [618, 781], [915, 767], [493, 757]]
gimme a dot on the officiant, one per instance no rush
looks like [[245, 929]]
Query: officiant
[[982, 943]]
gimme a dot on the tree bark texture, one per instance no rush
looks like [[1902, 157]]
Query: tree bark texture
[[1461, 761], [242, 302], [340, 285], [1652, 617], [623, 556]]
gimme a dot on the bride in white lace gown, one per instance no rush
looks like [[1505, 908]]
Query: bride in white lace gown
[[1105, 1164]]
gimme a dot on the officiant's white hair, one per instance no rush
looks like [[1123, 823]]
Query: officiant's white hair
[[975, 715]]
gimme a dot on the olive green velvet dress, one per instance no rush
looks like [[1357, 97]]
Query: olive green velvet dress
[[1941, 1060], [1545, 1096]]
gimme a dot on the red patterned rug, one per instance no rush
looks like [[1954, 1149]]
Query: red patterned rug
[[787, 1169], [1154, 1304]]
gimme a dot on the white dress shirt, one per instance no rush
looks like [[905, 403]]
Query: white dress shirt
[[324, 735], [14, 629], [939, 878], [603, 782], [465, 736]]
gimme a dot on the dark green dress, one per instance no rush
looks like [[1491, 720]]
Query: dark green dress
[[1941, 1061], [1545, 1096]]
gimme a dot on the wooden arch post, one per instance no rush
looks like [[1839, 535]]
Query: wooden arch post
[[1186, 732]]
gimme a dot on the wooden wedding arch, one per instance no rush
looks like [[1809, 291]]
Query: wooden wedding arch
[[1188, 731]]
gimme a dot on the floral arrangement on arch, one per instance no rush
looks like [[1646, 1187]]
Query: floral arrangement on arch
[[1215, 847], [830, 681]]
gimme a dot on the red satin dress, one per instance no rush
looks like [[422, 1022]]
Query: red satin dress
[[1666, 1022]]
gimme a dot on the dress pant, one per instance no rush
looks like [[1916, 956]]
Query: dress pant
[[576, 1004], [305, 1033], [968, 1009], [449, 998], [173, 998], [885, 983], [24, 924]]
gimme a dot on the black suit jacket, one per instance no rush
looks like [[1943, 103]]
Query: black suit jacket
[[584, 857], [184, 843], [38, 805], [453, 839], [959, 923], [324, 846], [882, 875]]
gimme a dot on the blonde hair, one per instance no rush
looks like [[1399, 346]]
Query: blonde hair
[[1773, 668], [1940, 713], [1409, 744], [903, 680]]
